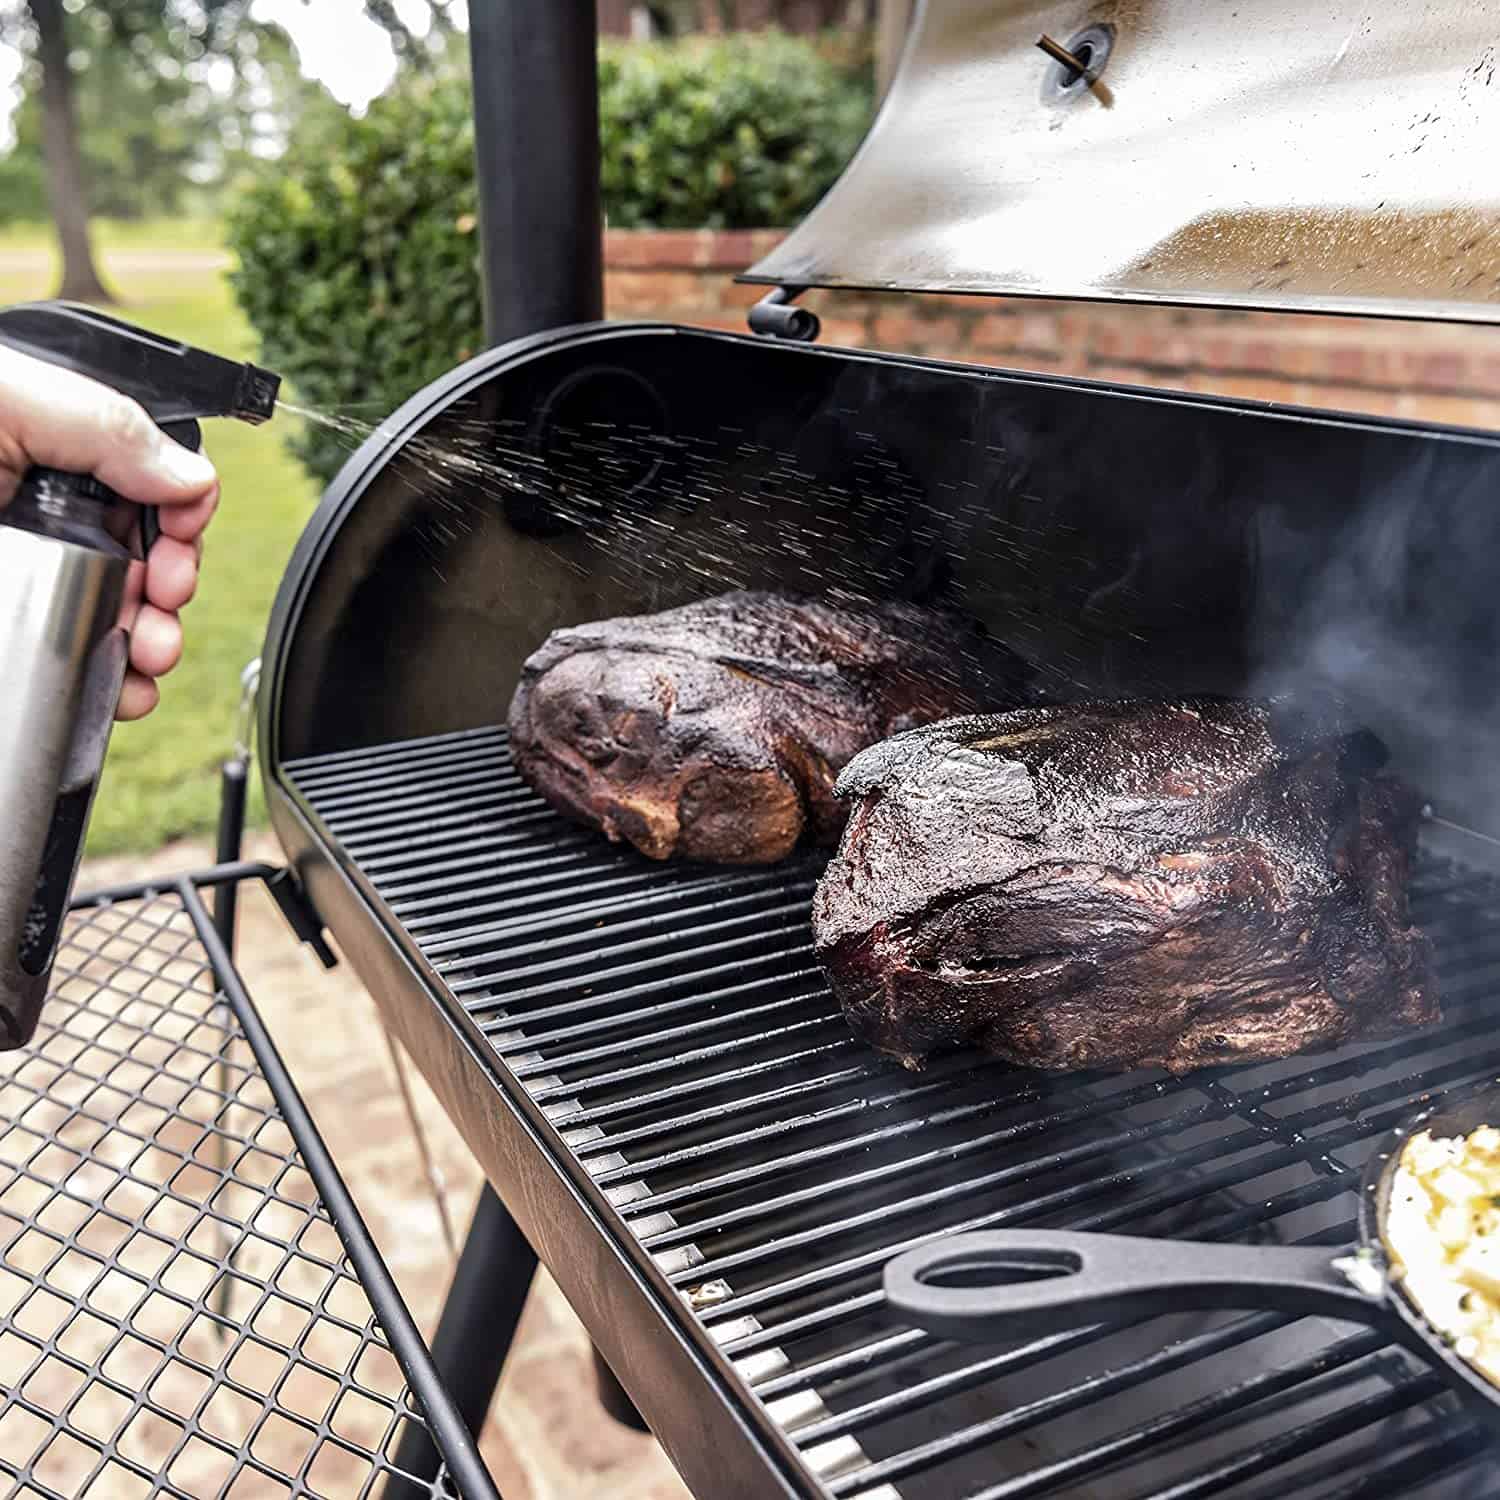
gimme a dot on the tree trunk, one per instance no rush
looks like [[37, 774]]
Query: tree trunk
[[890, 38], [65, 187]]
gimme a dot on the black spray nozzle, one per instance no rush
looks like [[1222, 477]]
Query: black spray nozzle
[[174, 382]]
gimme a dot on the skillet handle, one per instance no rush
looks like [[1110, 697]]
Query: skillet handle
[[1078, 1279]]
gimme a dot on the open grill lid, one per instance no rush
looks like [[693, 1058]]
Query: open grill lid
[[1266, 154]]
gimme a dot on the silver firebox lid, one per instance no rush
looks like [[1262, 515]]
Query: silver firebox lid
[[1328, 157]]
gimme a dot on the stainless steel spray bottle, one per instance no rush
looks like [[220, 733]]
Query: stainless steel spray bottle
[[66, 545]]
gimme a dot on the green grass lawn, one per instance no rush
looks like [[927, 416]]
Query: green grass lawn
[[124, 234], [161, 778]]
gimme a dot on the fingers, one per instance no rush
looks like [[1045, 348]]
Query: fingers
[[154, 592], [185, 522], [137, 698], [172, 573], [155, 642], [62, 420]]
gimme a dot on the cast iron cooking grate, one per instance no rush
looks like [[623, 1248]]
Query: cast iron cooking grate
[[176, 1313], [672, 1024]]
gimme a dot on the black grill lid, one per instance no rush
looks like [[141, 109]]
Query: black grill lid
[[1267, 154]]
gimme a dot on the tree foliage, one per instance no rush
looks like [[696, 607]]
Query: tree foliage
[[170, 97]]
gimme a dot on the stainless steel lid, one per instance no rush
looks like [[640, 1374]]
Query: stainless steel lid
[[1331, 157]]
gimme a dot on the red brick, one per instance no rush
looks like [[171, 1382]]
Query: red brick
[[669, 293], [1458, 411], [960, 303], [734, 249], [763, 241], [1126, 375], [724, 322], [1359, 399], [849, 332], [898, 330], [1023, 360], [652, 247], [1346, 365], [997, 332], [1487, 374], [727, 293], [1440, 371]]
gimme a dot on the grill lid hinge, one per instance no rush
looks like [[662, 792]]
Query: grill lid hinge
[[774, 316]]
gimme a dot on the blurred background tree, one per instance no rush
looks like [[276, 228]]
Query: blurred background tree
[[135, 107]]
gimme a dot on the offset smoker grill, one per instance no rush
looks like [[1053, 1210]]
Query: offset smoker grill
[[645, 1058]]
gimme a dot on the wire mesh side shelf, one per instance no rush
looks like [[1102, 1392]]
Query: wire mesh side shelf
[[178, 1313]]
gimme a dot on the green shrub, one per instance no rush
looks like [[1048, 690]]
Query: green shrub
[[358, 249], [742, 133], [358, 258]]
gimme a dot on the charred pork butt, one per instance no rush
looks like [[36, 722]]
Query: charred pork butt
[[715, 731], [1124, 885]]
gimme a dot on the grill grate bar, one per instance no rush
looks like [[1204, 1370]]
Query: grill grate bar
[[665, 1036], [1173, 1357], [861, 1072], [663, 933], [1055, 1161], [628, 893], [1275, 1451], [1353, 1355], [384, 850], [419, 915], [793, 1030], [673, 1026], [441, 880], [787, 1125], [535, 1019], [416, 806], [1411, 1464], [317, 770], [662, 961], [493, 853]]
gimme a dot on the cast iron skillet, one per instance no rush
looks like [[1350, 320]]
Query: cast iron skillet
[[1087, 1278]]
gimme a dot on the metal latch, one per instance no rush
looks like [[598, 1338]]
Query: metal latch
[[301, 916]]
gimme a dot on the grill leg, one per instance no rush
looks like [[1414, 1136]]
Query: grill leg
[[475, 1331], [234, 782], [613, 1399]]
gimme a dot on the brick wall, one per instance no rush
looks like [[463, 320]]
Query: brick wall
[[1426, 372]]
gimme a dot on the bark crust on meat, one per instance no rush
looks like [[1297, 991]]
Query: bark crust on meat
[[1120, 885], [716, 731]]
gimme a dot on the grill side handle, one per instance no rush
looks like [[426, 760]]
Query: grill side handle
[[1007, 1284]]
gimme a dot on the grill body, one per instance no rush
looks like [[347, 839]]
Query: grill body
[[645, 1060]]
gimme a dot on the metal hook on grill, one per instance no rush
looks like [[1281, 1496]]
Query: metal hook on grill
[[244, 723], [775, 317]]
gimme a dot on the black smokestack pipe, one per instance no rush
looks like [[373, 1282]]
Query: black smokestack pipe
[[541, 224], [536, 145]]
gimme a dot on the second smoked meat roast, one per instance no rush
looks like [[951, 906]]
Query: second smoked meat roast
[[1123, 885]]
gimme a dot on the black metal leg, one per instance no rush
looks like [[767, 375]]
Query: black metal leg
[[234, 780], [475, 1332], [234, 783], [613, 1399]]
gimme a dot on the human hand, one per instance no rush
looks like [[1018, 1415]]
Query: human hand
[[63, 420]]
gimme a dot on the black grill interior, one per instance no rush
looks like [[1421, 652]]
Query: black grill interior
[[673, 1025]]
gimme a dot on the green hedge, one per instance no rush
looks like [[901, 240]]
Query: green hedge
[[743, 133], [358, 252]]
